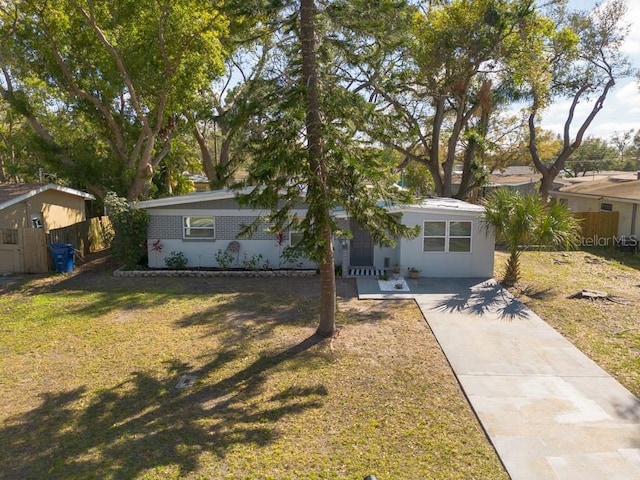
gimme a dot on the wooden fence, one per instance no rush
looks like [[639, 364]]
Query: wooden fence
[[598, 228], [89, 236], [26, 250]]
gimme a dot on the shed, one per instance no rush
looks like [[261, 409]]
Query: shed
[[28, 211], [38, 205]]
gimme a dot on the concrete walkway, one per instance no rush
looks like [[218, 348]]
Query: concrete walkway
[[550, 412]]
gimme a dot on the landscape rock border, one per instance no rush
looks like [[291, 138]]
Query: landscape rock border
[[214, 273]]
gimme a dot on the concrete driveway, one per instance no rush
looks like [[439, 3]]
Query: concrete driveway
[[550, 412]]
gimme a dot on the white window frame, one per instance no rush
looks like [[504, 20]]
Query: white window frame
[[447, 237], [187, 227], [606, 207], [443, 237], [291, 234]]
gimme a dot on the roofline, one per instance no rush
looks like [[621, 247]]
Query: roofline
[[192, 198], [593, 196], [44, 188], [462, 208]]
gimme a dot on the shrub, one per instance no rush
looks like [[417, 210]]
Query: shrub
[[176, 261], [291, 256], [224, 258], [128, 244], [252, 263]]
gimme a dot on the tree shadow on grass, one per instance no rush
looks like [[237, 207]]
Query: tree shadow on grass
[[485, 298], [145, 423], [106, 293]]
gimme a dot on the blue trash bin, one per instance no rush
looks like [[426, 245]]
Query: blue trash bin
[[63, 256]]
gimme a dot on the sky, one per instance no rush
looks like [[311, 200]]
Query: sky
[[621, 111]]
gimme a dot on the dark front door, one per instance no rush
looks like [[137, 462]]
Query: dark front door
[[361, 252]]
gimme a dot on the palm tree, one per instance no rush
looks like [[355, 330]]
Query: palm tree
[[523, 221]]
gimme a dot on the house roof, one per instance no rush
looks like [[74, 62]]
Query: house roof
[[615, 188], [192, 198], [438, 205], [12, 193], [429, 204]]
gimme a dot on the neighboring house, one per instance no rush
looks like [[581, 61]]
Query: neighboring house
[[521, 179], [451, 241], [611, 194], [46, 206]]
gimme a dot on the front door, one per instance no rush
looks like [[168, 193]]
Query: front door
[[361, 251]]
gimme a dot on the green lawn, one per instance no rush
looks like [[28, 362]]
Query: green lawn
[[607, 331], [90, 363]]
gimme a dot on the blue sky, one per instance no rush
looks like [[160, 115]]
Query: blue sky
[[621, 109]]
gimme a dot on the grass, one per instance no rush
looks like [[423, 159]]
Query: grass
[[607, 331], [89, 364]]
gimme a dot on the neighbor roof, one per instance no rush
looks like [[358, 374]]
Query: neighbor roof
[[614, 188], [12, 193]]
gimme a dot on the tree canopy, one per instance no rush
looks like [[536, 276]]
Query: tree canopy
[[104, 85], [124, 96], [580, 60]]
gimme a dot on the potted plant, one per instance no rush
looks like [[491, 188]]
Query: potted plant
[[413, 272], [395, 271]]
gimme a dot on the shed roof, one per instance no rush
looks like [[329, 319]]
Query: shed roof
[[12, 193]]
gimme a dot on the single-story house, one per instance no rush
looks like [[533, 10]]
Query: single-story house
[[37, 205], [203, 226], [610, 194]]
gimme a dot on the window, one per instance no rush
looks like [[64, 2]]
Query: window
[[295, 238], [434, 236], [606, 207], [448, 236], [198, 228], [459, 236]]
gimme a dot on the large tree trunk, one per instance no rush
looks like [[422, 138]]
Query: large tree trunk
[[318, 187], [549, 173], [327, 324], [208, 164]]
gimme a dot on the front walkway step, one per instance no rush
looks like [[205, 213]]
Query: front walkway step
[[365, 272]]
